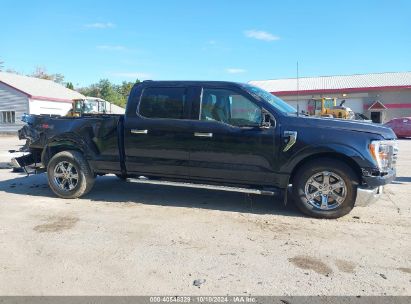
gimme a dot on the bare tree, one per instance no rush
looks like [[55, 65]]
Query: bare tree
[[41, 72]]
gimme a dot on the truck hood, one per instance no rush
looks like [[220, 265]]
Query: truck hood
[[349, 125]]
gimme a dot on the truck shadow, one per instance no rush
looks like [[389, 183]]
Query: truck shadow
[[112, 190]]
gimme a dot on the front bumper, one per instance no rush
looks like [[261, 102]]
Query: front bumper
[[372, 189], [376, 181], [367, 196]]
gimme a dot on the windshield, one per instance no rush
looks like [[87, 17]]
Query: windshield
[[276, 102], [90, 106]]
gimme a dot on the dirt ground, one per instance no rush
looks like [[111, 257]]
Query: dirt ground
[[126, 239]]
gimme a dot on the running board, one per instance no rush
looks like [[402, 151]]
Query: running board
[[201, 186]]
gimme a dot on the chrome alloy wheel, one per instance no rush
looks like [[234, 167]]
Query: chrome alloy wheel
[[325, 190], [65, 176]]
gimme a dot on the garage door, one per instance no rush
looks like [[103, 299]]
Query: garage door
[[355, 104]]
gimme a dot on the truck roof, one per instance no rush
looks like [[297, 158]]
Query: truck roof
[[189, 82]]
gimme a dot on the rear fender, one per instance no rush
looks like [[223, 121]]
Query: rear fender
[[63, 144]]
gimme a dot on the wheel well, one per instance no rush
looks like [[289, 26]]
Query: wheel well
[[49, 152], [343, 158]]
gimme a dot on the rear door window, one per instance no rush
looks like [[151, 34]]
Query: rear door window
[[163, 103]]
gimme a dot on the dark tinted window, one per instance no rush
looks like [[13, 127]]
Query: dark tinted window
[[163, 103]]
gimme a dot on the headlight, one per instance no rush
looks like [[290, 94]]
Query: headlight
[[384, 153]]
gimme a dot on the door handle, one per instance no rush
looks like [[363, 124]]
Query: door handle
[[199, 134], [135, 131]]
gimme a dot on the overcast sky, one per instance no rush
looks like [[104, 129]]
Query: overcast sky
[[213, 40]]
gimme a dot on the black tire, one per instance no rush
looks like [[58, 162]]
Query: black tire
[[80, 168], [337, 167]]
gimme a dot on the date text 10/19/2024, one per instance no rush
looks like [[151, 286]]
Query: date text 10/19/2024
[[203, 299]]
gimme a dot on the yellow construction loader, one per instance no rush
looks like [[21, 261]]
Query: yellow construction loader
[[327, 107], [88, 105]]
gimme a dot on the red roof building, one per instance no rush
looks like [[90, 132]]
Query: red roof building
[[381, 96]]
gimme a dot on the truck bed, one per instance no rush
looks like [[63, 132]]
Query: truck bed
[[97, 135]]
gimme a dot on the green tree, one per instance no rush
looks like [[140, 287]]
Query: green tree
[[125, 87], [69, 85], [91, 90], [116, 94], [109, 92], [59, 78], [1, 65]]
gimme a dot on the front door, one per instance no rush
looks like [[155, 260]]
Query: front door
[[228, 143], [156, 136]]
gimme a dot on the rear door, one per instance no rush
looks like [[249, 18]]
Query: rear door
[[157, 132], [228, 145]]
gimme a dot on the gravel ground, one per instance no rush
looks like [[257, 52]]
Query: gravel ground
[[125, 239]]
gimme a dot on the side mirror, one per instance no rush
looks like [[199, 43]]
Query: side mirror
[[266, 120]]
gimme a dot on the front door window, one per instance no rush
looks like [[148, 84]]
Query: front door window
[[229, 107]]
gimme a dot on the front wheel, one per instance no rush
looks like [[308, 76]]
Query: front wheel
[[325, 188], [69, 175]]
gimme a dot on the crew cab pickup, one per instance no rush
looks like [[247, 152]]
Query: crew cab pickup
[[216, 135]]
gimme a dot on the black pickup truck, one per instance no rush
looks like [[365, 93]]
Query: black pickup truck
[[216, 135]]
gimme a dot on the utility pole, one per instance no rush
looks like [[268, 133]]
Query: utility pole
[[298, 91]]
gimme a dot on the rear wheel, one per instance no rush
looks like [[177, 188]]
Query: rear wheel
[[69, 175], [325, 188]]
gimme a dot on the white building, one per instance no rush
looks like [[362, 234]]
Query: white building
[[22, 94], [114, 109]]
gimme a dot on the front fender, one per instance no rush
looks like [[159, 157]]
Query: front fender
[[329, 149]]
